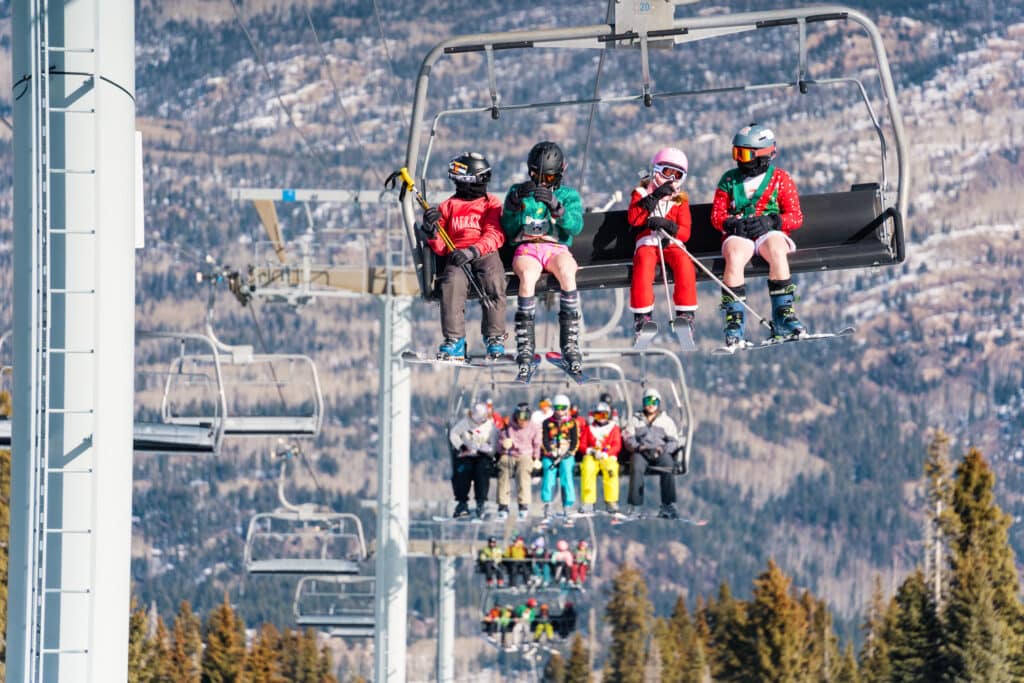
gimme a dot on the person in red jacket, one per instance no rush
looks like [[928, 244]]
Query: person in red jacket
[[472, 219], [600, 442], [659, 205], [757, 207]]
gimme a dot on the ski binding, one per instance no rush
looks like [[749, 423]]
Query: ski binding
[[474, 361], [580, 377], [683, 334], [526, 370], [778, 341], [643, 337]]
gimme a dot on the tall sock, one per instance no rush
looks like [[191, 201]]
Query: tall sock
[[528, 304], [779, 286], [741, 292], [570, 302]]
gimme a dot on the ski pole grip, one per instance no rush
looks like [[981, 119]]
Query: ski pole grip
[[406, 178]]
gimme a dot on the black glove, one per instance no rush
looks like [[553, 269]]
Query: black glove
[[656, 223], [514, 200], [461, 257], [755, 226], [545, 196], [431, 217], [650, 201], [734, 226]]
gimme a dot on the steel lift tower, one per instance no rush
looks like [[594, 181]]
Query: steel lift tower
[[74, 314]]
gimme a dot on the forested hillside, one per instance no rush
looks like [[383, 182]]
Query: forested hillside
[[810, 456]]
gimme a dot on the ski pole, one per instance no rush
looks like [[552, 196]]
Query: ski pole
[[409, 185], [707, 271], [664, 279]]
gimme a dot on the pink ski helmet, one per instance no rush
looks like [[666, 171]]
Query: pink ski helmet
[[669, 165]]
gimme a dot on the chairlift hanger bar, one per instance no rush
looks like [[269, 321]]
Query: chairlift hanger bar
[[761, 19]]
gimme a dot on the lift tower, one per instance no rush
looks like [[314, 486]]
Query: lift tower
[[74, 315]]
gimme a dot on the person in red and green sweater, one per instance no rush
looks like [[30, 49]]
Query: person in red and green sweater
[[757, 207]]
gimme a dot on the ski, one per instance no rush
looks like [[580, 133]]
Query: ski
[[526, 370], [643, 337], [773, 341], [622, 518], [683, 333], [474, 361], [556, 359]]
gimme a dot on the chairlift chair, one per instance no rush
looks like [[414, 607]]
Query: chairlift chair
[[6, 378], [860, 228], [315, 541], [344, 606]]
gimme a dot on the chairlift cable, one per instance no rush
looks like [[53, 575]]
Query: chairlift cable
[[349, 123], [266, 72], [387, 51]]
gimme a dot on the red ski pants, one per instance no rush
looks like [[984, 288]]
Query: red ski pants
[[645, 260]]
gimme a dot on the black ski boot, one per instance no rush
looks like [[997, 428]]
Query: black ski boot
[[526, 344], [569, 340]]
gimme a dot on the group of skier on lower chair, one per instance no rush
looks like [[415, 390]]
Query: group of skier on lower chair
[[549, 442], [756, 207]]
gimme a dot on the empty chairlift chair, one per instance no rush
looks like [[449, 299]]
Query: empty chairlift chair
[[303, 539], [168, 386], [265, 394], [342, 606]]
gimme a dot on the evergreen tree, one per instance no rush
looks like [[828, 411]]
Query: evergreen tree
[[874, 657], [681, 648], [163, 665], [777, 629], [325, 668], [983, 529], [668, 651], [261, 663], [729, 655], [914, 641], [224, 656], [141, 653], [186, 646], [848, 672], [300, 657], [976, 646], [629, 613], [554, 670], [822, 652], [578, 668]]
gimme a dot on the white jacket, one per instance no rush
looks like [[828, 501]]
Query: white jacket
[[479, 437]]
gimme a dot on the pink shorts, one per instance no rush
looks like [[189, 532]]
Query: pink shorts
[[541, 252]]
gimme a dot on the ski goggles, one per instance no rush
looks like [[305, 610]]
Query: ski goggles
[[670, 172], [459, 172], [601, 416], [561, 407], [523, 415], [651, 401], [544, 178], [744, 154]]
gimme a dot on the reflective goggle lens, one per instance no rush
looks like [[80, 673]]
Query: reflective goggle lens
[[547, 178], [744, 154], [670, 172], [651, 401], [561, 407], [601, 415]]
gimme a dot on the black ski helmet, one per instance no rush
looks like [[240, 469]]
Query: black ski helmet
[[546, 159], [470, 168]]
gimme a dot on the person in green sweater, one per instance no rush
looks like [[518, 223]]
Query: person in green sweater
[[542, 216]]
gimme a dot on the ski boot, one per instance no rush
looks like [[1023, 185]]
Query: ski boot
[[523, 514], [785, 324], [547, 512], [668, 511], [684, 329], [526, 343], [495, 346], [569, 340], [479, 512], [461, 510], [733, 321], [503, 512], [452, 349], [644, 329], [611, 508]]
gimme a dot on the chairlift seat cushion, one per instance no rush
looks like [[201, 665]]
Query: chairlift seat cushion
[[840, 230]]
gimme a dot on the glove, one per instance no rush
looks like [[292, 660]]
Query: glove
[[650, 201], [431, 217], [733, 226], [755, 226], [656, 223], [546, 196], [461, 257], [514, 200], [537, 465], [506, 443]]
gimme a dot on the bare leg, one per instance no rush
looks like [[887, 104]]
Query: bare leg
[[775, 250], [528, 270], [737, 253]]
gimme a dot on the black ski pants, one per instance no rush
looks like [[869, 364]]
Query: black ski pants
[[471, 472], [490, 273], [638, 470]]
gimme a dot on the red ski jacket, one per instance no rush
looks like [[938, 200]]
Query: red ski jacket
[[470, 223], [675, 208]]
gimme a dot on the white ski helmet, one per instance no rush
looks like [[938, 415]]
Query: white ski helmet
[[652, 393], [561, 400], [479, 413], [669, 165]]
